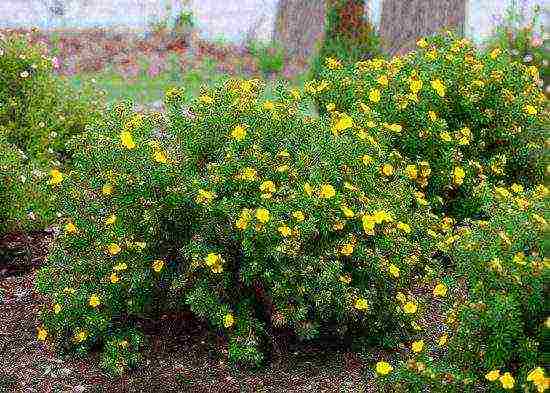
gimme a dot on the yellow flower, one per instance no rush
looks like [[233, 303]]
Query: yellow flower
[[415, 85], [241, 223], [217, 268], [347, 211], [206, 99], [343, 123], [332, 63], [383, 368], [81, 336], [502, 192], [346, 278], [111, 219], [268, 105], [120, 267], [308, 189], [368, 224], [458, 176], [158, 264], [422, 43], [56, 177], [401, 297], [507, 381], [249, 174], [492, 375], [228, 320], [262, 215], [42, 334], [331, 106], [387, 169], [441, 341], [94, 301], [404, 227], [439, 87], [71, 228], [394, 270], [519, 258], [411, 171], [107, 189], [536, 375], [465, 135], [212, 258], [299, 215], [160, 157], [284, 230], [445, 136], [127, 140], [56, 308], [517, 188], [383, 80], [440, 290], [374, 95], [327, 191], [530, 110], [397, 128], [410, 308], [361, 304], [381, 216], [267, 186], [204, 196], [418, 346], [238, 133], [113, 249], [347, 249], [367, 159], [432, 115], [495, 52], [114, 278]]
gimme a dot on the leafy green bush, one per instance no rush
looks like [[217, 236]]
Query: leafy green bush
[[349, 37], [472, 116], [38, 114], [525, 42], [213, 212], [255, 217], [269, 56], [503, 259]]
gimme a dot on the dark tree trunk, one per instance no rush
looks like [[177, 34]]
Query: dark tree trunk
[[404, 22]]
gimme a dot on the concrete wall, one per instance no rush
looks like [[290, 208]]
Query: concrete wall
[[231, 18]]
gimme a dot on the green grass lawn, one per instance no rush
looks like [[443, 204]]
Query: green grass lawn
[[146, 90]]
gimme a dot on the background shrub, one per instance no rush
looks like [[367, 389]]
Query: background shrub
[[455, 107], [38, 114], [349, 37]]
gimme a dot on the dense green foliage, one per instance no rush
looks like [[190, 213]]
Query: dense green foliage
[[349, 37], [256, 217], [38, 115]]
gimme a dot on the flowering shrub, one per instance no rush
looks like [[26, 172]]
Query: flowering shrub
[[524, 41], [349, 37], [502, 325], [38, 114], [225, 210], [256, 217], [460, 115]]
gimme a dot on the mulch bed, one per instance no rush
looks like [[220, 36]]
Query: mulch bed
[[182, 356]]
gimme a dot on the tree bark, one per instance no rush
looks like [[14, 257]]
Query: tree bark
[[299, 25], [404, 22]]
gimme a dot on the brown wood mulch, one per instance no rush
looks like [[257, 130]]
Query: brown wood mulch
[[182, 355]]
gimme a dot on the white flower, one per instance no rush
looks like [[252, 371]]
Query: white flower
[[528, 59], [31, 216], [24, 74]]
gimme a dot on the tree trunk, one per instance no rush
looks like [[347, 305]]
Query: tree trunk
[[404, 22], [299, 25]]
